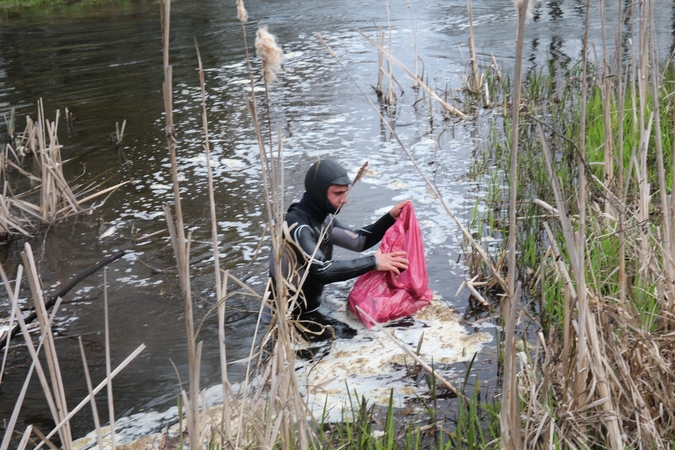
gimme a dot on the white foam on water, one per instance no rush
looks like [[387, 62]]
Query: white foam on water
[[370, 366]]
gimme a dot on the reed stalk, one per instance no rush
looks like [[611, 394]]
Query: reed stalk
[[577, 241], [285, 411], [390, 94], [57, 389], [111, 404], [10, 324], [476, 82], [666, 212], [180, 244], [415, 63], [510, 412], [99, 387], [380, 62], [621, 101], [94, 409], [221, 281]]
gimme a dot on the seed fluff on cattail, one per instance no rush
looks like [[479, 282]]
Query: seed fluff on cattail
[[242, 14], [530, 6], [269, 53], [360, 173]]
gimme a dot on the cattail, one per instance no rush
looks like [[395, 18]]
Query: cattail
[[242, 14], [530, 6], [360, 173], [270, 54]]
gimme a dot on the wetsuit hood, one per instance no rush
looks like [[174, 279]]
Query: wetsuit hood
[[319, 178]]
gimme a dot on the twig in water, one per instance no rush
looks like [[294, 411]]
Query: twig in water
[[412, 354]]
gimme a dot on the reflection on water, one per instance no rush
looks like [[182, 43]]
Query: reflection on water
[[103, 62]]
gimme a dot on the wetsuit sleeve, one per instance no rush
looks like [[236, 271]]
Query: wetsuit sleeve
[[364, 238], [328, 270]]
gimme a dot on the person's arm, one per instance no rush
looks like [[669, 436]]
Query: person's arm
[[329, 270], [368, 236]]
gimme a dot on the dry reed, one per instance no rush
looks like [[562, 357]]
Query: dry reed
[[601, 375], [476, 80], [180, 244], [510, 412], [395, 61], [52, 386], [48, 197], [90, 390]]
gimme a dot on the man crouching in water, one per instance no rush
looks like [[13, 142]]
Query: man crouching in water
[[326, 188]]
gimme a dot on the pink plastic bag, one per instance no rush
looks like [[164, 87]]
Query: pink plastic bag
[[384, 296]]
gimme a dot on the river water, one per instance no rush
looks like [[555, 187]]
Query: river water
[[103, 62]]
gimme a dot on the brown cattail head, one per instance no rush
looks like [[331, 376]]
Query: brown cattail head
[[242, 14], [360, 173], [270, 54]]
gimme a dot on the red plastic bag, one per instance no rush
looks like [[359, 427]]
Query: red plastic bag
[[384, 296]]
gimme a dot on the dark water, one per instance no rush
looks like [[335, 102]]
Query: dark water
[[103, 62]]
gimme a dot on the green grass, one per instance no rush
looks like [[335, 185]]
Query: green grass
[[426, 424]]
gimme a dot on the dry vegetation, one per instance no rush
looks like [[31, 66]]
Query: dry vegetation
[[35, 191]]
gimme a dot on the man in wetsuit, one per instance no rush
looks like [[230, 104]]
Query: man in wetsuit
[[312, 223]]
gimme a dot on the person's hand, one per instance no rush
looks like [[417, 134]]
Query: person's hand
[[391, 262], [396, 210]]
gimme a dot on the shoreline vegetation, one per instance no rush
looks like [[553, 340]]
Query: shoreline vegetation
[[591, 220], [579, 170], [40, 3]]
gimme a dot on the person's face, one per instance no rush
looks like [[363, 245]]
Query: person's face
[[337, 195]]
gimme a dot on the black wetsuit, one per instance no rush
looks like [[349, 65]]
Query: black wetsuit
[[307, 224], [307, 220]]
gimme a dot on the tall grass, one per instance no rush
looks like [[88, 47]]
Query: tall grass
[[595, 225]]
